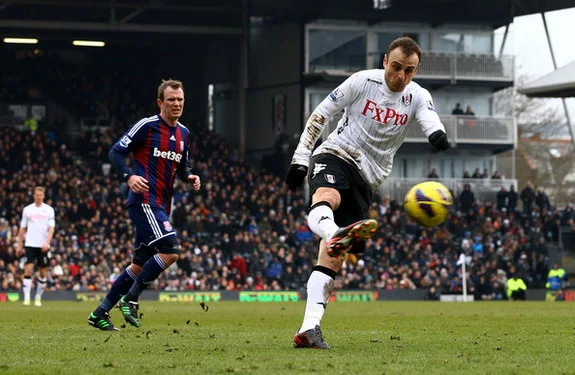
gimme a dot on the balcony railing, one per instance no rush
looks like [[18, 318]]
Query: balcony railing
[[467, 129], [434, 65], [483, 189], [466, 66]]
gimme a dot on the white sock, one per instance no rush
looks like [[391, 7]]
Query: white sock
[[27, 286], [320, 221], [40, 288], [319, 287]]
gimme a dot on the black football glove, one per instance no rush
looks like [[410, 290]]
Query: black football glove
[[439, 140], [295, 176]]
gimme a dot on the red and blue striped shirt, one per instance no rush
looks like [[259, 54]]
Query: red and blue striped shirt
[[160, 151]]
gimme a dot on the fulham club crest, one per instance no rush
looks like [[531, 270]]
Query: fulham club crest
[[330, 178], [407, 99]]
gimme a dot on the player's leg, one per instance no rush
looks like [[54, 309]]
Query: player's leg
[[329, 178], [335, 183], [355, 229], [319, 287], [31, 255], [42, 278], [166, 243], [168, 253], [100, 317]]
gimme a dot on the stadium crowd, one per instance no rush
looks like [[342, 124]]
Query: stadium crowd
[[245, 231]]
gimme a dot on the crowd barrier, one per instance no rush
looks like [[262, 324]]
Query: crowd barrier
[[275, 296]]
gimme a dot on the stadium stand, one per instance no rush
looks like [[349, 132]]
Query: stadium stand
[[245, 231]]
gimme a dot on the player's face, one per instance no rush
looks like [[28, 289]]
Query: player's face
[[38, 196], [172, 107], [399, 69]]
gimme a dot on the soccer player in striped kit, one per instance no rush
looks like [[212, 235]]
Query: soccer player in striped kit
[[160, 147], [379, 106]]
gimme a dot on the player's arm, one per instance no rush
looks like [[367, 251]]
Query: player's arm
[[22, 231], [134, 137], [331, 106], [184, 170], [51, 227], [429, 121]]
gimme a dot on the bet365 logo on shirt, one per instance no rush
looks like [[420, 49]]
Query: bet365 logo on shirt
[[170, 155]]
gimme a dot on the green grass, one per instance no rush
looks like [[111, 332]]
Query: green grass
[[245, 338]]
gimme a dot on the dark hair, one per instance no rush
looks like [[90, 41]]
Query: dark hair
[[407, 45], [175, 84]]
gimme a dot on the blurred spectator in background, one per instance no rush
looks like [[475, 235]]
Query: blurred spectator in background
[[512, 199], [555, 278], [502, 195], [528, 197], [469, 111], [457, 110], [542, 200], [466, 198], [433, 174], [516, 288]]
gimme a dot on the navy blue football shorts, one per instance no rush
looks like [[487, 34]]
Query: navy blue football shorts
[[153, 227]]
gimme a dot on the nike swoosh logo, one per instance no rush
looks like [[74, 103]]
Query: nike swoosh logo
[[323, 304]]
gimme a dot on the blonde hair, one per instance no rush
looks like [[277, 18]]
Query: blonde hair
[[175, 84], [39, 188]]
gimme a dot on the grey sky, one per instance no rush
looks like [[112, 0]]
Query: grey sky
[[528, 43]]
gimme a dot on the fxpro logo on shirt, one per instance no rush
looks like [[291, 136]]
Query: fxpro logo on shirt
[[170, 155], [384, 115]]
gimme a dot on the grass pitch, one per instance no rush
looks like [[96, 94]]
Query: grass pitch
[[256, 338]]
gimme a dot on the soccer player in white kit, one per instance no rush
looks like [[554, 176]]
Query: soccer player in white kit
[[379, 106], [36, 232]]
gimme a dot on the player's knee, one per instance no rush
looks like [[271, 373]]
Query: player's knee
[[141, 256], [329, 195], [169, 245], [169, 258], [135, 268]]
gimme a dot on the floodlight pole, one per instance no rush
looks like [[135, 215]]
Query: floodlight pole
[[243, 76], [555, 68]]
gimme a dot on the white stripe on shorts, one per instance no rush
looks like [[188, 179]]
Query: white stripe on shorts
[[152, 220]]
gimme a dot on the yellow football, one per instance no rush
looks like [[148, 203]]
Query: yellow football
[[428, 203]]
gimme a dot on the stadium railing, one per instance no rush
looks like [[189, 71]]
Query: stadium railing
[[483, 189], [472, 129], [475, 67], [434, 65]]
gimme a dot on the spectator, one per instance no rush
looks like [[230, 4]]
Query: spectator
[[466, 198], [555, 278], [466, 174], [516, 288], [542, 200], [457, 110], [433, 294], [469, 111], [528, 197], [502, 195], [432, 174], [477, 174], [496, 176], [512, 199]]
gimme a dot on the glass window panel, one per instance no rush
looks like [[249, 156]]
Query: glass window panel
[[462, 43], [336, 50]]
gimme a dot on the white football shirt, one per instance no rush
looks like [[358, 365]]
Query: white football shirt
[[37, 220], [373, 126]]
